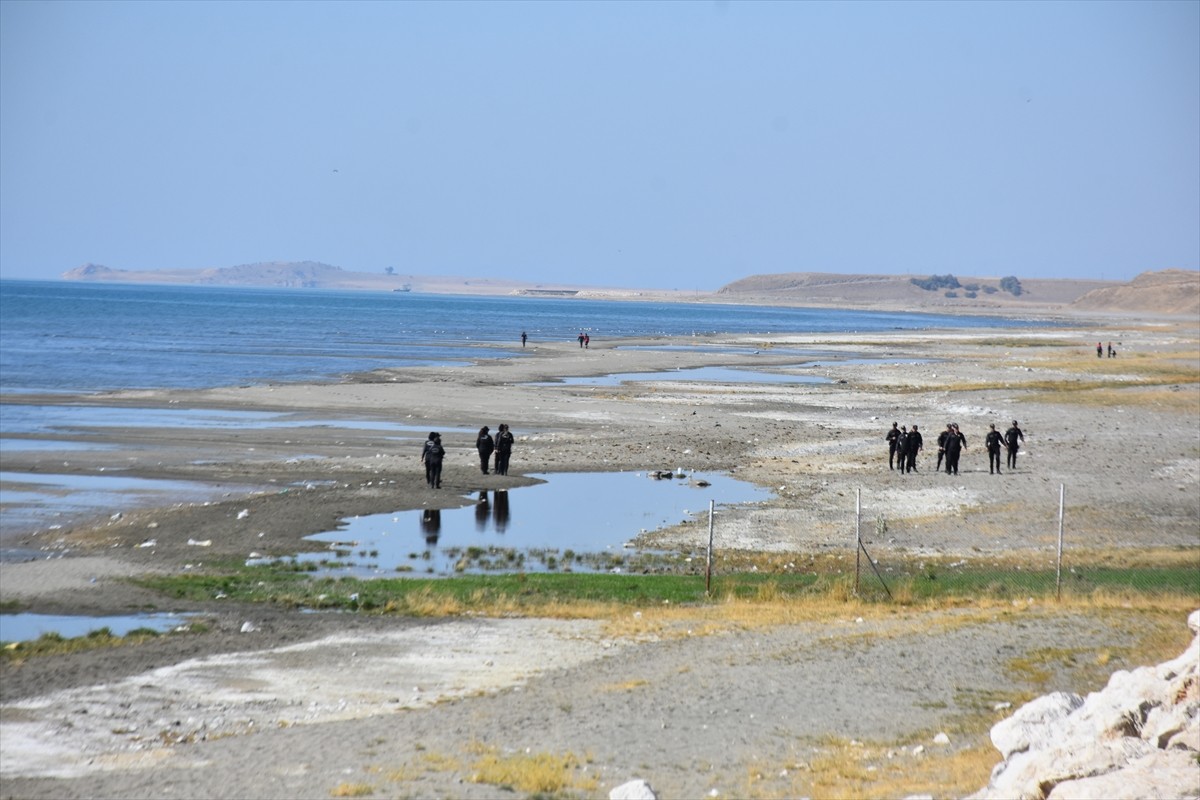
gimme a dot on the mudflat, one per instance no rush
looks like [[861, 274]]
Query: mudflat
[[695, 701]]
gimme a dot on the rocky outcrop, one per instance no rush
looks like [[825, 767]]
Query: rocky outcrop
[[1139, 737]]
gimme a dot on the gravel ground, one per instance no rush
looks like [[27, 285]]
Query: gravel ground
[[305, 703]]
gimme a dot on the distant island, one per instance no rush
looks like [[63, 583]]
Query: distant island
[[1170, 292]]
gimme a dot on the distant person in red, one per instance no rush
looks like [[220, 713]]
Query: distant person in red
[[586, 341]]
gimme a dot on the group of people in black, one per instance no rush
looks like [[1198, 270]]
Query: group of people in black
[[486, 445], [501, 445], [904, 444]]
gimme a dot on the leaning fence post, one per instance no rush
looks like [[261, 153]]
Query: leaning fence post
[[857, 535], [1062, 491], [708, 560]]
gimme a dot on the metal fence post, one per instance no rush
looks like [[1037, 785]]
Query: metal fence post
[[857, 535], [1062, 491], [708, 564]]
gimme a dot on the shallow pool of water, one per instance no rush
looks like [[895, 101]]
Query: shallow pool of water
[[26, 627], [49, 419], [34, 500], [580, 521], [707, 374]]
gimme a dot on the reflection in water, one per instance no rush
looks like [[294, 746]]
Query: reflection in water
[[482, 512], [431, 525], [500, 510]]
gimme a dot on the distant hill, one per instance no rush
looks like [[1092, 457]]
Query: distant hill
[[904, 291], [309, 275], [1171, 291]]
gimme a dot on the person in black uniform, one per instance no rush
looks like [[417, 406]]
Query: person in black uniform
[[431, 456], [955, 442], [893, 439], [1013, 438], [993, 442], [485, 446], [941, 442], [504, 445], [912, 445], [901, 452]]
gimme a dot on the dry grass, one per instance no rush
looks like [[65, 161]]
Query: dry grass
[[352, 790], [541, 773], [1181, 400], [844, 768]]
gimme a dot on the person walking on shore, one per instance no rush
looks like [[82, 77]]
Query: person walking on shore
[[893, 440], [581, 340], [431, 456], [955, 442], [901, 449], [993, 442], [912, 445], [1099, 350], [524, 336], [941, 443], [504, 445], [485, 446], [1013, 438]]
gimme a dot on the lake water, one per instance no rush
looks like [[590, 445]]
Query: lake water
[[583, 522], [88, 337]]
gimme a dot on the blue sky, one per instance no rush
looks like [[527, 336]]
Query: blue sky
[[657, 145]]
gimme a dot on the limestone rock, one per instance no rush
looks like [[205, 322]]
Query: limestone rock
[[1138, 737], [637, 789]]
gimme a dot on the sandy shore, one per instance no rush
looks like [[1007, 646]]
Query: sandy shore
[[335, 700]]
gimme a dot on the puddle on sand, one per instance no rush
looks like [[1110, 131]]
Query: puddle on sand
[[708, 374], [576, 521], [33, 500], [48, 445], [26, 627], [44, 419]]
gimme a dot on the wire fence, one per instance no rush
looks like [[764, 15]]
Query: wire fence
[[1061, 563], [1067, 567]]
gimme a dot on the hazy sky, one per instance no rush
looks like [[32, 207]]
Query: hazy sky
[[658, 145]]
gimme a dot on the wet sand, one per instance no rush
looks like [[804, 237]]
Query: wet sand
[[1127, 455]]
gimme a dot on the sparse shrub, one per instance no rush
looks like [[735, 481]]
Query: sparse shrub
[[935, 282], [1011, 285], [951, 294]]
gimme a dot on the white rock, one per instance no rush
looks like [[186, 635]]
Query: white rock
[[941, 738], [1027, 774], [1155, 776], [245, 512], [1194, 621], [1032, 723], [637, 789], [249, 627]]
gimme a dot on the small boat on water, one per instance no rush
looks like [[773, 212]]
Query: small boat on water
[[405, 288]]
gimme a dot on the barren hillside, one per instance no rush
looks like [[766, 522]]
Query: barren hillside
[[899, 291], [1171, 291]]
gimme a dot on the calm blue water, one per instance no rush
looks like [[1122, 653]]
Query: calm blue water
[[86, 337]]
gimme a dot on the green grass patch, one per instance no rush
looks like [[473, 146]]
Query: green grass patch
[[555, 593], [530, 591], [948, 582], [55, 644]]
